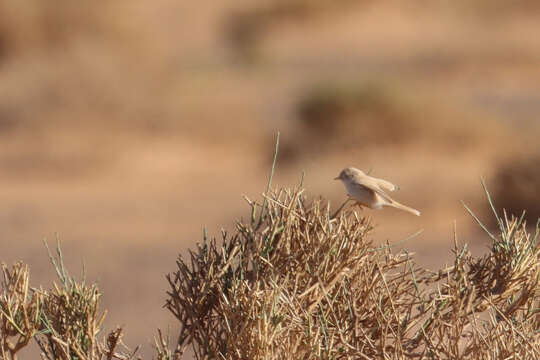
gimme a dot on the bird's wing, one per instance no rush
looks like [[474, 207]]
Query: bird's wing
[[387, 185], [371, 184]]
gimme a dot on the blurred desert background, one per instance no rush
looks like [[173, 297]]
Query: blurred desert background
[[128, 126]]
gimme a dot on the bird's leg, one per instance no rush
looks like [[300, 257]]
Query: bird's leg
[[341, 207], [360, 205]]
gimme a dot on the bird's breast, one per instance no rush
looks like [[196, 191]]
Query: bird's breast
[[360, 193]]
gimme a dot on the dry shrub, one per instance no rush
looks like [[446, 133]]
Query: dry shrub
[[72, 321], [65, 321], [516, 185], [19, 311], [294, 282]]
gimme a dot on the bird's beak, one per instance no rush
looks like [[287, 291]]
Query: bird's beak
[[337, 178]]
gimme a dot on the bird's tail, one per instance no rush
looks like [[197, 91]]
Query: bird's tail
[[404, 208]]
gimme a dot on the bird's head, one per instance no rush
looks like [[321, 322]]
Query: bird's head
[[348, 174]]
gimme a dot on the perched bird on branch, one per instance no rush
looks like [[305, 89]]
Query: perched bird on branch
[[370, 191]]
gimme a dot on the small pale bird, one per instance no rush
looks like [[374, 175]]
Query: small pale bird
[[369, 191]]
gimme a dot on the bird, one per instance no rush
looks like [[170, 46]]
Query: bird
[[370, 191]]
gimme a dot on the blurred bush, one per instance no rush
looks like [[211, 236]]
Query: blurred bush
[[360, 115], [501, 7], [356, 115], [244, 28], [30, 25], [517, 187]]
